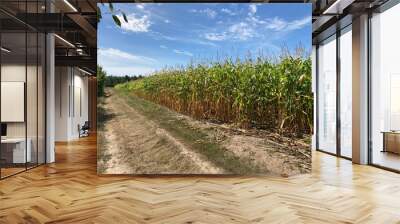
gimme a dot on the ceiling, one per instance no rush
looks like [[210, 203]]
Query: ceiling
[[73, 21], [330, 15]]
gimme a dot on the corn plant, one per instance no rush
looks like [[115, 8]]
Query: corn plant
[[263, 92]]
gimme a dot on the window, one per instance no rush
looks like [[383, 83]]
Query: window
[[385, 89], [346, 92], [327, 95]]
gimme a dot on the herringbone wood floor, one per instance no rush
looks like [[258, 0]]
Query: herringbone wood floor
[[69, 191]]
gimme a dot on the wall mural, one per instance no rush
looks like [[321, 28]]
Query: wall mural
[[205, 89]]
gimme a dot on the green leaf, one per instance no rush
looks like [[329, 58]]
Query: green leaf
[[110, 5], [99, 17], [125, 18], [116, 20]]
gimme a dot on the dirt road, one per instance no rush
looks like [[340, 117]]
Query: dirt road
[[136, 145], [140, 137]]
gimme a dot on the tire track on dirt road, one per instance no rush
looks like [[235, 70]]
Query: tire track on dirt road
[[136, 145]]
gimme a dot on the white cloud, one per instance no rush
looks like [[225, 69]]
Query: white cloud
[[128, 70], [200, 42], [278, 24], [253, 26], [159, 36], [113, 54], [135, 24], [228, 11], [215, 36], [255, 20], [300, 23], [167, 21], [163, 47], [120, 63], [242, 31], [140, 5], [209, 12], [187, 53], [253, 8], [238, 31]]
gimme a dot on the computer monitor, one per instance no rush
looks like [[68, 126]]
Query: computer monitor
[[3, 129]]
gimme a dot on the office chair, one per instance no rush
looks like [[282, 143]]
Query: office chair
[[84, 130]]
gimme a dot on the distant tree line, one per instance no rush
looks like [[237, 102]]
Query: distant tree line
[[105, 80], [111, 81], [101, 78]]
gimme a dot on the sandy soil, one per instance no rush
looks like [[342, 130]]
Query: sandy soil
[[274, 153], [136, 145]]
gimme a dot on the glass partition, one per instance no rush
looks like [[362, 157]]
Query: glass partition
[[22, 88], [41, 97], [32, 98], [385, 89], [346, 92], [13, 94], [327, 95]]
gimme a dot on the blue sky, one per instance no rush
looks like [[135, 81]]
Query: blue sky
[[165, 35]]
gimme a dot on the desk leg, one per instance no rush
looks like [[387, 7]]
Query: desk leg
[[384, 142]]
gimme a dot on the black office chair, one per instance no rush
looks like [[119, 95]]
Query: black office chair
[[84, 130]]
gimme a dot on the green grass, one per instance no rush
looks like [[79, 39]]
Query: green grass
[[193, 138]]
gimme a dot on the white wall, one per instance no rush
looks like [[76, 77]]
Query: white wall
[[16, 73], [62, 81], [33, 126], [13, 101], [71, 87], [80, 110]]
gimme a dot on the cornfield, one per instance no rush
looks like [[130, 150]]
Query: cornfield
[[264, 93]]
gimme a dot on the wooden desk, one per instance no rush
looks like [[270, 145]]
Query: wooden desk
[[391, 141]]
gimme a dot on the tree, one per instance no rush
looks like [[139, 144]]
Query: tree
[[111, 81], [101, 78]]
